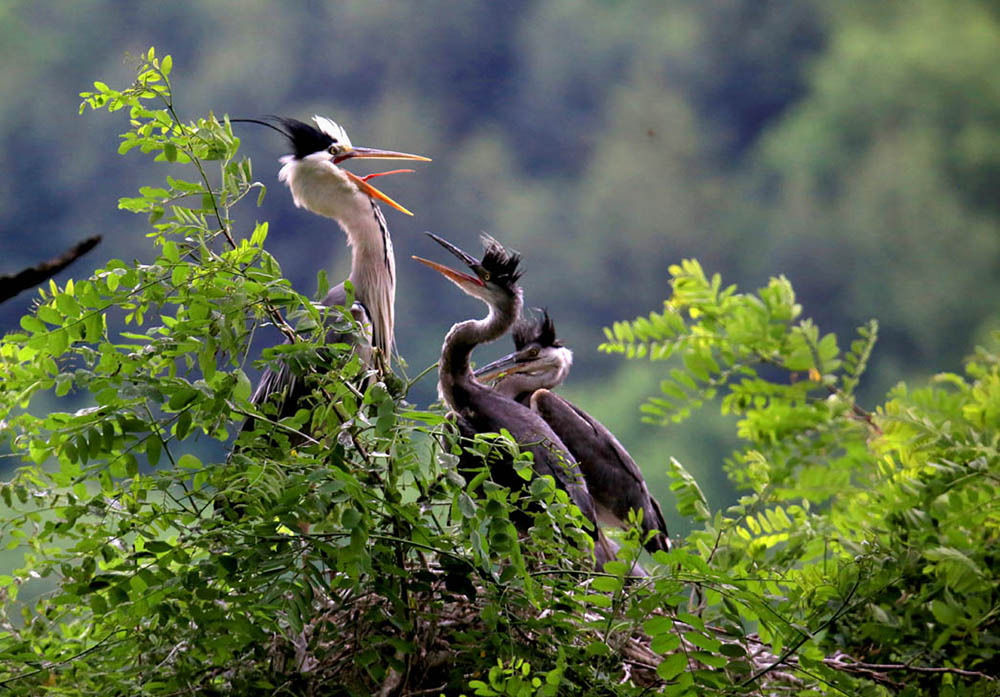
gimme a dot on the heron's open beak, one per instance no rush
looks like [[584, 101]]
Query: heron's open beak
[[506, 365], [368, 189], [374, 153], [462, 280]]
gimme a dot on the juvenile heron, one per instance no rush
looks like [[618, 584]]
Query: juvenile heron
[[539, 363], [480, 409]]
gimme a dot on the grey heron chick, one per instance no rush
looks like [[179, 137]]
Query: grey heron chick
[[539, 363], [480, 409]]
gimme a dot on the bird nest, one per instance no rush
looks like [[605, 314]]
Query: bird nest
[[352, 646]]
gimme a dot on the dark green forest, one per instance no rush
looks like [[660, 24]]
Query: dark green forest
[[827, 457]]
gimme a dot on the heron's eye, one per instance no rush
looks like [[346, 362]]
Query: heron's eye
[[533, 352], [486, 275]]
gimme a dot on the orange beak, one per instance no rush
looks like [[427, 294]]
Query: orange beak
[[462, 280], [374, 153]]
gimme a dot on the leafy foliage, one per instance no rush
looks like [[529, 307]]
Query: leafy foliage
[[870, 533], [336, 550], [225, 575]]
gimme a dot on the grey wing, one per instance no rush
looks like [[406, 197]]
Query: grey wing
[[615, 481], [283, 381], [273, 382], [336, 296], [558, 460], [469, 463]]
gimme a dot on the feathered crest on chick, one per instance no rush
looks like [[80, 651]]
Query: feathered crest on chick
[[501, 264], [541, 331]]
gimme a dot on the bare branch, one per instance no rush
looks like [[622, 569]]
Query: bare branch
[[847, 664], [12, 284]]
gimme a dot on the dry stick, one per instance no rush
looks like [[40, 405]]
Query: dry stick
[[848, 664], [12, 284], [804, 638]]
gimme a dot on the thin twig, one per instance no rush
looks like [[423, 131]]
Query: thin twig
[[845, 662], [53, 664], [804, 638]]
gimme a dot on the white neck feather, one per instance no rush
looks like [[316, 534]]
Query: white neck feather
[[322, 188]]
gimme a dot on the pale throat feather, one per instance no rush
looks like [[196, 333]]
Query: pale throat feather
[[373, 269], [321, 187]]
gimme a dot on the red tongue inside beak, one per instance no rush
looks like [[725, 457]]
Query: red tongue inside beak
[[391, 171], [368, 189]]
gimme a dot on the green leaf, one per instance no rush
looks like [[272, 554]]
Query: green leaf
[[710, 659], [597, 648], [188, 461], [665, 643], [606, 584], [68, 305], [466, 505], [946, 613], [350, 518], [170, 251], [702, 641], [49, 314], [153, 450], [182, 398], [98, 604], [672, 666], [33, 324], [58, 342]]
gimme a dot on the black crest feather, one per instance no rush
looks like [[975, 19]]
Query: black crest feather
[[502, 265], [304, 138], [541, 331]]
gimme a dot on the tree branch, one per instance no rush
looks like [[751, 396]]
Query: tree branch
[[843, 662], [12, 284]]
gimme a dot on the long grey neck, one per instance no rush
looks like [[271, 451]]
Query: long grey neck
[[373, 268], [454, 369]]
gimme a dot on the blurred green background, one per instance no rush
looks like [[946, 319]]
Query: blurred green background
[[852, 146]]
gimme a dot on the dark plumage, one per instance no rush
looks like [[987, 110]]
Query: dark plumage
[[480, 409], [305, 139], [541, 362]]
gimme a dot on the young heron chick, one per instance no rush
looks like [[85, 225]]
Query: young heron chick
[[480, 409], [539, 363]]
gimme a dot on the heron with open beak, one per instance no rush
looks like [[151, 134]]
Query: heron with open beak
[[479, 409], [314, 173]]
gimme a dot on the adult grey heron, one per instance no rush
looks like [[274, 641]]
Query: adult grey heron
[[480, 409], [539, 363], [319, 184]]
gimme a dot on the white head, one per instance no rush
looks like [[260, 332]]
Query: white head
[[313, 173], [319, 184]]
